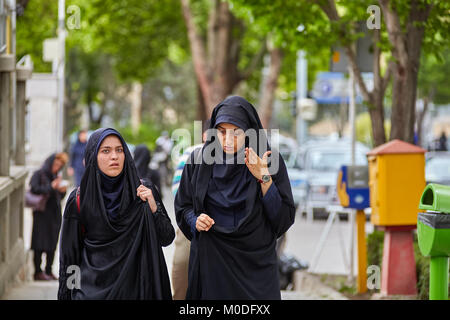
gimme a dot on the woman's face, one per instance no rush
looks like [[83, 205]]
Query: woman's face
[[231, 137], [111, 157], [56, 166]]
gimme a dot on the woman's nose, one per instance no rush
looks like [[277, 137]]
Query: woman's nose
[[229, 141]]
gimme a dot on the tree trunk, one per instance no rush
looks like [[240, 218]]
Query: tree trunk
[[136, 106], [216, 68], [376, 112], [270, 86], [406, 49], [201, 110], [403, 104], [198, 52]]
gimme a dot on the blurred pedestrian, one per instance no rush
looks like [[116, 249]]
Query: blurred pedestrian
[[113, 229], [443, 142], [180, 261], [47, 223], [162, 158], [142, 158], [76, 168], [234, 211]]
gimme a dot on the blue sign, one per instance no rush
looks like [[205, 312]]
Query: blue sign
[[353, 188], [332, 88]]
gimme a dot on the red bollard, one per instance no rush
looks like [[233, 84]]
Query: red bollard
[[398, 273]]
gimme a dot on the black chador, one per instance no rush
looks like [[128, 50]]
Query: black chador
[[114, 240], [236, 258]]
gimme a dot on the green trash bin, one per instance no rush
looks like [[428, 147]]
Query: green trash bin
[[433, 231]]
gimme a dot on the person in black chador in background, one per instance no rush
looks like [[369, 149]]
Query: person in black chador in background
[[115, 237], [233, 212], [142, 158], [443, 142], [46, 224], [76, 168]]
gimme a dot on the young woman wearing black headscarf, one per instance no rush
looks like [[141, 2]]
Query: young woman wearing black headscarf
[[233, 212], [46, 224], [115, 239]]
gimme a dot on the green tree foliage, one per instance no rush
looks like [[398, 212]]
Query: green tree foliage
[[37, 23]]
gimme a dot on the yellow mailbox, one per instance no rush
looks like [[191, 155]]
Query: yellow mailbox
[[396, 182]]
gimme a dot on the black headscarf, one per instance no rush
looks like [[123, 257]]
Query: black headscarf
[[142, 159], [122, 258], [47, 167], [111, 187], [230, 183], [230, 178]]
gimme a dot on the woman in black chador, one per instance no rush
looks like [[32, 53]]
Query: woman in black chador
[[234, 208], [46, 224], [114, 236]]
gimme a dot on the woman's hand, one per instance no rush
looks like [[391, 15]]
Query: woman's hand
[[146, 195], [55, 183], [256, 165], [204, 222]]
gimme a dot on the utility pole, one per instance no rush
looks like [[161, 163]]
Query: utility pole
[[302, 87], [351, 94], [60, 72]]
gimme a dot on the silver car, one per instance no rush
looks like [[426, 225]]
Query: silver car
[[320, 163], [297, 176]]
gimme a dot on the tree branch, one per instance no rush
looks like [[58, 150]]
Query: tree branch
[[396, 36], [198, 52], [387, 76]]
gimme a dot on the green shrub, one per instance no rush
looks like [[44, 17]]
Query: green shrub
[[375, 242]]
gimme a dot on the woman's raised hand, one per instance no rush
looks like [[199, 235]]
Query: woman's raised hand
[[146, 195], [256, 165], [204, 222]]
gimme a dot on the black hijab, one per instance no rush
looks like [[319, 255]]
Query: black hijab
[[111, 187], [122, 258], [230, 183], [47, 167], [230, 178], [142, 159]]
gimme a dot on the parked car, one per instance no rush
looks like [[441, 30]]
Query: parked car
[[297, 176], [288, 149], [320, 162], [437, 167]]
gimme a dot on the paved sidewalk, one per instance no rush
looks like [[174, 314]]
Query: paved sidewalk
[[33, 290], [47, 290], [307, 288]]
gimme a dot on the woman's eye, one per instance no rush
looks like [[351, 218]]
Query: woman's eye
[[105, 151], [120, 150]]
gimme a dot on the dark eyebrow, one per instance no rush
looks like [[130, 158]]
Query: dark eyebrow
[[219, 127]]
